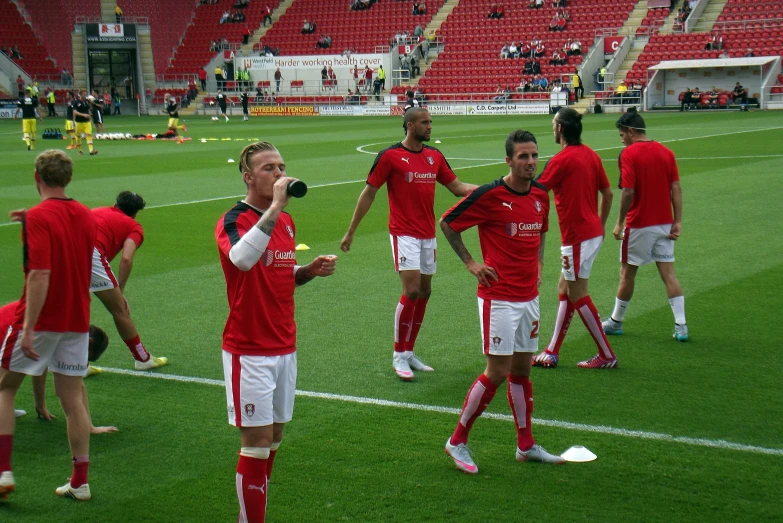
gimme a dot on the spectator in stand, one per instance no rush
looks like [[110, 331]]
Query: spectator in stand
[[636, 89], [333, 78], [500, 95], [267, 15], [420, 96], [713, 100], [415, 69], [496, 11], [246, 35], [539, 50], [418, 31], [576, 48], [553, 22], [202, 76], [20, 86], [241, 4], [567, 48], [504, 51], [513, 50], [225, 17], [715, 43], [324, 78], [424, 48], [536, 67], [278, 78], [543, 84], [687, 100], [740, 94], [528, 68], [556, 59], [422, 8], [621, 93], [576, 83], [750, 53], [524, 50], [562, 20], [15, 54], [524, 85], [696, 98], [306, 27], [118, 13]]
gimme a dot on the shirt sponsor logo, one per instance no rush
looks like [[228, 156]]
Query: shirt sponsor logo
[[278, 258], [412, 177], [522, 229], [76, 367]]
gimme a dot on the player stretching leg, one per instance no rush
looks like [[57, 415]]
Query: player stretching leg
[[81, 115], [172, 109], [651, 188], [29, 109], [410, 169], [51, 324], [576, 176], [512, 216], [119, 232], [258, 255]]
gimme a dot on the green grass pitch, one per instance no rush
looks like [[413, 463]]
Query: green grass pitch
[[175, 455]]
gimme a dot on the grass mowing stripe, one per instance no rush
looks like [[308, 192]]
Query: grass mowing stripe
[[600, 429]]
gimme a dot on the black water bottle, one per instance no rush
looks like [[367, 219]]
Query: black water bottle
[[297, 188]]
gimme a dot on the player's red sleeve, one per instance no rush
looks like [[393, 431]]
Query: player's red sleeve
[[445, 174], [550, 177], [137, 235], [468, 212], [603, 180], [37, 242], [627, 172], [380, 170], [674, 171], [545, 203], [230, 229]]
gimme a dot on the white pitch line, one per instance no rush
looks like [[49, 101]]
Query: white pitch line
[[598, 429]]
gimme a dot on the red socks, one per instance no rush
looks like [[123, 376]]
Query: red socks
[[403, 323], [520, 398], [251, 489], [80, 466], [137, 349], [592, 321], [479, 397], [418, 318], [565, 313], [6, 445]]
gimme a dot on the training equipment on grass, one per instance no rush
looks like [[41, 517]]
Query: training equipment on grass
[[578, 454]]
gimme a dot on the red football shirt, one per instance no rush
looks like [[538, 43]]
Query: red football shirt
[[114, 227], [260, 301], [575, 175], [648, 168], [510, 225], [59, 235], [410, 177], [7, 313]]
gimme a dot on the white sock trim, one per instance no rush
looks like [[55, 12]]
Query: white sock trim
[[620, 306], [275, 445], [255, 452], [678, 309]]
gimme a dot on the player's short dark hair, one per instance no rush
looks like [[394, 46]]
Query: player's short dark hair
[[99, 340], [571, 123], [130, 203], [412, 115], [55, 168], [518, 136], [632, 120], [409, 93]]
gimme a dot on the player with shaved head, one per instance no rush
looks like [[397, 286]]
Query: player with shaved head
[[410, 169]]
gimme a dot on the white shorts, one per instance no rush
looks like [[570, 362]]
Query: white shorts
[[646, 245], [508, 326], [413, 254], [102, 276], [578, 259], [60, 352], [259, 389]]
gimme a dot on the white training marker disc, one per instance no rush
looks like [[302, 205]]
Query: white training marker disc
[[578, 454], [230, 160], [437, 141], [203, 140]]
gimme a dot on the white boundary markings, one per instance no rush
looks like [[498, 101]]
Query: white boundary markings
[[599, 429]]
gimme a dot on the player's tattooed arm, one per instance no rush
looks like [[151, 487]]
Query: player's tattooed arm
[[322, 266], [483, 273], [267, 223]]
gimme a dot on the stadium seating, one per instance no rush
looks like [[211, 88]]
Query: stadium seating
[[194, 50], [765, 38], [14, 31], [360, 30], [470, 61], [168, 20]]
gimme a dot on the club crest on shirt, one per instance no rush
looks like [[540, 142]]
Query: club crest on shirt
[[538, 207], [290, 231], [430, 160], [496, 341], [250, 409]]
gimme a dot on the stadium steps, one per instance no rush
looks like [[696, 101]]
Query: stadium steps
[[441, 16], [259, 33], [625, 67], [78, 47], [668, 24], [107, 11], [709, 16], [147, 61]]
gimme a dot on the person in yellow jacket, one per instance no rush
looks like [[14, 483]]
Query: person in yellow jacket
[[50, 101], [219, 77], [576, 83], [382, 78]]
